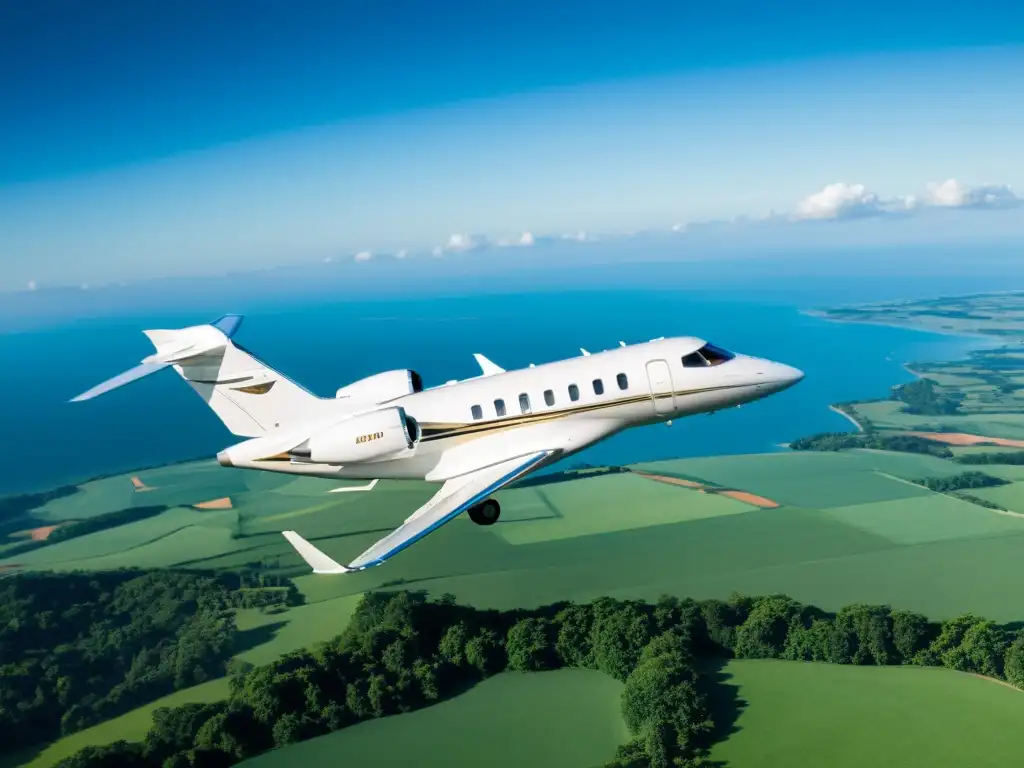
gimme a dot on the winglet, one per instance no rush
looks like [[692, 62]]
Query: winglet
[[585, 353], [488, 368], [317, 560]]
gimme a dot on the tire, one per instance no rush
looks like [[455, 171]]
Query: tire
[[485, 513]]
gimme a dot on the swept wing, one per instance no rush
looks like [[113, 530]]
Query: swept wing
[[454, 497]]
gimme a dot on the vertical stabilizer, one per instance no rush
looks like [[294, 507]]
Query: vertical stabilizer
[[250, 397]]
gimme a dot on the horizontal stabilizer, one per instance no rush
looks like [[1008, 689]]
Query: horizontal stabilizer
[[317, 560], [353, 488], [171, 346], [134, 374]]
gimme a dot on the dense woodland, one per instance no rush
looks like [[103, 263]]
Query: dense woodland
[[1015, 458], [963, 481], [842, 441], [403, 651], [923, 398], [76, 649]]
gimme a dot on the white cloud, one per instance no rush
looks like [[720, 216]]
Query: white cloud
[[437, 251], [952, 194], [579, 236], [465, 242], [364, 256], [841, 201], [401, 254], [32, 285], [527, 239]]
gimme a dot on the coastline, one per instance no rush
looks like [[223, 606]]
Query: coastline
[[848, 417], [823, 315]]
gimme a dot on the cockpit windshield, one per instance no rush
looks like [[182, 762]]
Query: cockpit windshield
[[707, 355]]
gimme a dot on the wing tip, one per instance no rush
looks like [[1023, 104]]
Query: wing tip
[[315, 559]]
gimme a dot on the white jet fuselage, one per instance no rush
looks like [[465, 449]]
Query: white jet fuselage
[[568, 405]]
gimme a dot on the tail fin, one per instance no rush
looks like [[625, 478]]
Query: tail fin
[[250, 397]]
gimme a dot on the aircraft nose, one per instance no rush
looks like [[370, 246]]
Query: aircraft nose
[[786, 376]]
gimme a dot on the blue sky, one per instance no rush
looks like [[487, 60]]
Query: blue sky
[[140, 140]]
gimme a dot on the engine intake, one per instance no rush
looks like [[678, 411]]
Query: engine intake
[[368, 437]]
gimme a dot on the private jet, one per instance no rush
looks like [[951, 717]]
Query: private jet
[[473, 436]]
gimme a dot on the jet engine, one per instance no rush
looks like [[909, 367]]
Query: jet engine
[[380, 388], [368, 437]]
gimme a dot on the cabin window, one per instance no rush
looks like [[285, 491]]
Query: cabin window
[[574, 392], [478, 412], [549, 397], [598, 387], [715, 355], [524, 403], [694, 360], [622, 381], [499, 407]]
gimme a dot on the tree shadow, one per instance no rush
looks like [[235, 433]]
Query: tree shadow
[[247, 639], [725, 703], [22, 756]]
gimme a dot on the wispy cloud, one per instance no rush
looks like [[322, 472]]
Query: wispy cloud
[[32, 285], [525, 240], [363, 256]]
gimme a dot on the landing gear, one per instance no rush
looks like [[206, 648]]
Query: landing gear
[[485, 513]]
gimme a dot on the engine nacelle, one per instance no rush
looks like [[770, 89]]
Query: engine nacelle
[[380, 388], [369, 437]]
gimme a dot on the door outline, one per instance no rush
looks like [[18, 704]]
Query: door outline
[[659, 382]]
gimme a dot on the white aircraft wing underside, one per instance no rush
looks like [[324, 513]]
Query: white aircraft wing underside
[[454, 497]]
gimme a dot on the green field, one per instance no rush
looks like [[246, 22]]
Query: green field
[[850, 528], [886, 415], [796, 714], [565, 719], [131, 726]]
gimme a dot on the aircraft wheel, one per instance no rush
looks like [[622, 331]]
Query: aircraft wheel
[[485, 513]]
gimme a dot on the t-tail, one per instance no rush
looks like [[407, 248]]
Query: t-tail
[[250, 397]]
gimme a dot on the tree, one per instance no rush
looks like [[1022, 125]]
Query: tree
[[862, 635], [911, 634], [1013, 662], [981, 650], [621, 630], [453, 644], [529, 646], [813, 643], [575, 624], [484, 652], [763, 634]]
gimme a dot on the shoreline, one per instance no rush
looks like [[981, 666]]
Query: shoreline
[[823, 315], [848, 417]]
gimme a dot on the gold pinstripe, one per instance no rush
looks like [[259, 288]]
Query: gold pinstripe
[[464, 431]]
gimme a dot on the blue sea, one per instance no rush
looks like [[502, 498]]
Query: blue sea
[[325, 342]]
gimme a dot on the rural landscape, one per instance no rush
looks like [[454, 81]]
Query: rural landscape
[[853, 595]]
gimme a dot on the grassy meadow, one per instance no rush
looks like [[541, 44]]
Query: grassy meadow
[[849, 717], [569, 718]]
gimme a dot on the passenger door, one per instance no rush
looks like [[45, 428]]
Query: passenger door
[[659, 380]]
